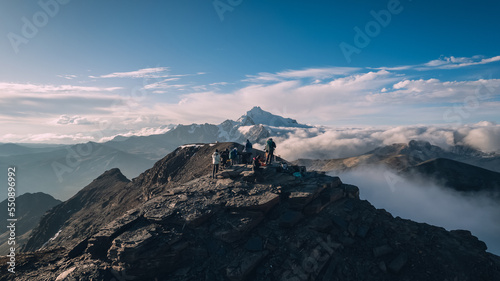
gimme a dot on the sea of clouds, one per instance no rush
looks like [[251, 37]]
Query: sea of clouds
[[426, 201], [330, 143], [421, 201]]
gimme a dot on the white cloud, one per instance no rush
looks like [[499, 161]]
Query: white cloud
[[219, 84], [349, 142], [433, 90], [457, 62], [73, 120], [370, 98], [47, 102], [330, 100], [148, 131], [445, 63], [163, 84], [7, 87], [146, 73], [484, 136], [141, 73], [67, 76], [313, 73], [336, 95], [317, 73], [395, 68], [47, 138]]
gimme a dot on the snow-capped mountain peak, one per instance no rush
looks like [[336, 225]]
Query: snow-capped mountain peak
[[258, 116]]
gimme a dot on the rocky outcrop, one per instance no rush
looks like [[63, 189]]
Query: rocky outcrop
[[274, 225], [30, 209], [98, 203]]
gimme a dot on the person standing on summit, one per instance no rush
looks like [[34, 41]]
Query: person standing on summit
[[247, 153], [215, 162], [233, 156], [270, 146]]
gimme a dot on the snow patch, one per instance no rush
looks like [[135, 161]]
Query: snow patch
[[193, 128], [245, 129], [52, 239], [65, 274], [190, 145], [55, 236]]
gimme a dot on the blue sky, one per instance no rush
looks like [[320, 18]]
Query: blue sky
[[73, 68]]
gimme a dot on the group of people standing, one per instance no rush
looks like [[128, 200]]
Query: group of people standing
[[232, 157]]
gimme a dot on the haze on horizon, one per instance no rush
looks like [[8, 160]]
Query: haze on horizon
[[77, 71]]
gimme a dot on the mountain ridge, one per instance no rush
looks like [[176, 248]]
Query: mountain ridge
[[30, 207], [256, 125], [400, 156], [62, 172], [280, 224]]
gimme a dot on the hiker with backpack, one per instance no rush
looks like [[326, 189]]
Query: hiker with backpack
[[270, 147], [215, 162], [233, 156]]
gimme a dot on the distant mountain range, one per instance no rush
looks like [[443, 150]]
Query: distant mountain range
[[256, 125], [461, 168], [10, 149], [30, 207], [400, 156], [62, 170]]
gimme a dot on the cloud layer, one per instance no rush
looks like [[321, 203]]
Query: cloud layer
[[430, 203], [334, 96], [347, 142]]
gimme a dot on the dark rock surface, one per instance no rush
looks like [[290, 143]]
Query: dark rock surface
[[98, 203], [273, 227], [30, 209]]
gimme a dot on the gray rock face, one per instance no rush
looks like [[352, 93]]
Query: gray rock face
[[30, 209], [279, 227], [98, 203]]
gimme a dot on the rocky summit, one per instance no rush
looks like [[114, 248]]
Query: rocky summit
[[281, 223]]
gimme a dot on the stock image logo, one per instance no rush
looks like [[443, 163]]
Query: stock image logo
[[31, 26]]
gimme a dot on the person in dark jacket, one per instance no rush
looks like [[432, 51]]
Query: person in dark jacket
[[224, 156], [233, 156], [247, 153], [270, 147]]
